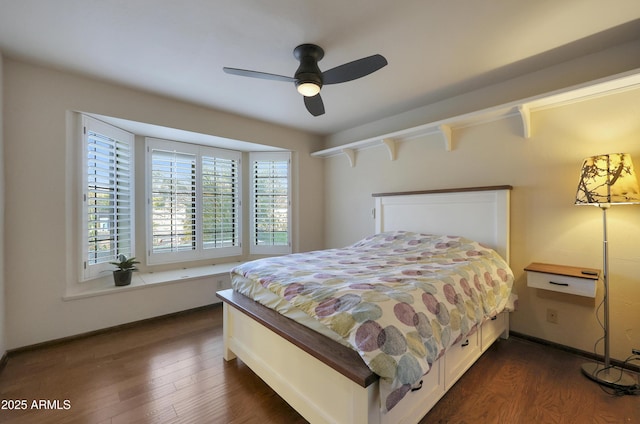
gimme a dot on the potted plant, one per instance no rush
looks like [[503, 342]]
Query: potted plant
[[122, 276]]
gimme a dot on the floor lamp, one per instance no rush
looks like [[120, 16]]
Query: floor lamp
[[607, 180]]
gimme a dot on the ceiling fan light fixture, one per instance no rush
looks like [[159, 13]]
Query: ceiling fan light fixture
[[309, 79], [308, 89]]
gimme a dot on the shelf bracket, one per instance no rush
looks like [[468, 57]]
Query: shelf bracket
[[445, 132], [525, 115], [351, 155], [391, 147]]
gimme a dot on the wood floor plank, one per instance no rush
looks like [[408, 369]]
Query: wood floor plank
[[171, 371]]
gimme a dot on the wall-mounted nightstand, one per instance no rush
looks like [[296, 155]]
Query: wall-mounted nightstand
[[564, 279]]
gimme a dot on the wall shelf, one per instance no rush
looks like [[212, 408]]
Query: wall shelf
[[445, 128]]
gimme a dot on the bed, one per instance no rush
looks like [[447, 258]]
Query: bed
[[320, 373]]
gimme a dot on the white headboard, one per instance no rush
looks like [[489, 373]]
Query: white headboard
[[477, 213]]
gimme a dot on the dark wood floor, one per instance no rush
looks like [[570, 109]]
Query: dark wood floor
[[518, 381], [171, 371]]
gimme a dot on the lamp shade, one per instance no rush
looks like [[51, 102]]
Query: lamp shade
[[606, 180], [308, 89]]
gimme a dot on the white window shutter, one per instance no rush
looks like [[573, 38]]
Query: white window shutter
[[220, 202], [194, 202], [108, 198], [271, 203], [173, 201]]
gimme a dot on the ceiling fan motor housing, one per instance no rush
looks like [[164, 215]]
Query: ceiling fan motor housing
[[308, 71]]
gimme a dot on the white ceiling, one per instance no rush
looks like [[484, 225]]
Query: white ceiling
[[435, 48]]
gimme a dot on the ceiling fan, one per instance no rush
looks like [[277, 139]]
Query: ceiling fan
[[309, 79]]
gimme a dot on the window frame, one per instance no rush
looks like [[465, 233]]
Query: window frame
[[269, 249], [199, 252], [90, 125]]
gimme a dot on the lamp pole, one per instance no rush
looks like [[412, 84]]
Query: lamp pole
[[605, 279], [605, 373]]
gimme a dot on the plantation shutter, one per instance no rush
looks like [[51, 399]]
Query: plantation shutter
[[173, 201], [220, 225], [270, 192], [193, 202], [108, 201]]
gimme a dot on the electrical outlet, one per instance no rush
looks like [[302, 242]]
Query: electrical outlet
[[220, 284], [552, 316]]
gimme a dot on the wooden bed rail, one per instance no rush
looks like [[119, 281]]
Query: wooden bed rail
[[339, 357], [444, 190]]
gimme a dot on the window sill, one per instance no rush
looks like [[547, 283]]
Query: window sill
[[105, 285]]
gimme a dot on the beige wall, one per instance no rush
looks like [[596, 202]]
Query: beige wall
[[41, 214], [545, 226]]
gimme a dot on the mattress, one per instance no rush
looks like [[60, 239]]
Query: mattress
[[400, 299]]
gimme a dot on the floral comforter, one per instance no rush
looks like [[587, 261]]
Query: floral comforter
[[400, 299]]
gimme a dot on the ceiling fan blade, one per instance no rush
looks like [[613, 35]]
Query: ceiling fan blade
[[256, 74], [314, 105], [354, 70]]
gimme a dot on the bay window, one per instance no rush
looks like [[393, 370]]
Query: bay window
[[192, 197]]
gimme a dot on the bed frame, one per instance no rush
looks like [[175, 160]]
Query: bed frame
[[327, 382]]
